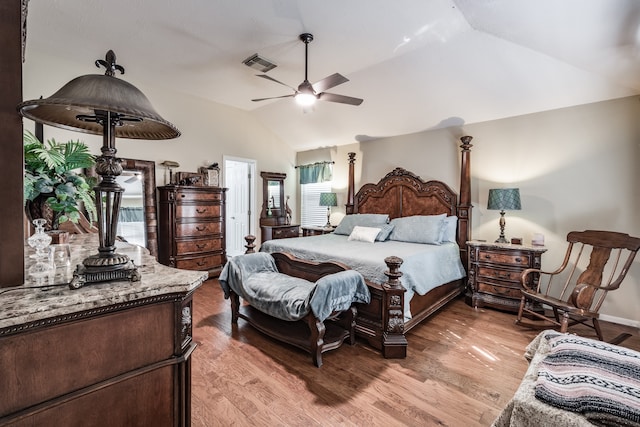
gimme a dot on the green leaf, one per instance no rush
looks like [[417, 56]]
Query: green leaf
[[49, 169]]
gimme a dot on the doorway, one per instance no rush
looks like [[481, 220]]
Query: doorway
[[239, 178]]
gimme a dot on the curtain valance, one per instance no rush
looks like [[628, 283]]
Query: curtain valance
[[316, 172]]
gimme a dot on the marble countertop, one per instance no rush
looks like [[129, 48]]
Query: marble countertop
[[48, 295], [494, 245]]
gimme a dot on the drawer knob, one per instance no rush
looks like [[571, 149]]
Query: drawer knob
[[201, 227], [183, 195], [201, 263], [518, 259], [201, 245], [487, 256], [201, 210]]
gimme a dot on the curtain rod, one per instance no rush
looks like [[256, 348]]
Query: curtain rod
[[316, 163]]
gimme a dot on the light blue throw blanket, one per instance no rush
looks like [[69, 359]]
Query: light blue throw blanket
[[256, 279]]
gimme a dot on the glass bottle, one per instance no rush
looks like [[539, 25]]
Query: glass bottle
[[40, 240]]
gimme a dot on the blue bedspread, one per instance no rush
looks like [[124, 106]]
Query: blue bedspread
[[424, 266]]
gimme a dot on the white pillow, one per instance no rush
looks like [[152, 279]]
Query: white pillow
[[364, 234]]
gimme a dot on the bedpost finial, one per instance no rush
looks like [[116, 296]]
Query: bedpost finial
[[466, 142], [352, 157], [394, 273]]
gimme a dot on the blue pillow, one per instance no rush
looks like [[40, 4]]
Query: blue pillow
[[364, 220], [449, 229], [418, 229], [385, 232]]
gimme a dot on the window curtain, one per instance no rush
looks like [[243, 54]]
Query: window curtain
[[316, 172]]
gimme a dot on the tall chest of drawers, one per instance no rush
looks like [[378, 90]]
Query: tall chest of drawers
[[191, 229], [494, 273]]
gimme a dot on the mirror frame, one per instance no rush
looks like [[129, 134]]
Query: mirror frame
[[280, 217], [148, 169]]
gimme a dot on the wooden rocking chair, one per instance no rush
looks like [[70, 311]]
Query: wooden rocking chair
[[579, 300]]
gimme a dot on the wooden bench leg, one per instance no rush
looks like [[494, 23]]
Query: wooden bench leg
[[316, 340], [350, 323], [235, 307]]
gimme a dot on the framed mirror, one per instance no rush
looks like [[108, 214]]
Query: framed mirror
[[138, 220], [273, 212]]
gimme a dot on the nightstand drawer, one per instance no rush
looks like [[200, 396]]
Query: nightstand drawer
[[500, 274], [497, 257], [503, 291]]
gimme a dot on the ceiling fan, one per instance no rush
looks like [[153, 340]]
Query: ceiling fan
[[308, 93]]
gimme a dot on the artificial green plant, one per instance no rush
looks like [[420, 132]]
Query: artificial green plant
[[50, 177]]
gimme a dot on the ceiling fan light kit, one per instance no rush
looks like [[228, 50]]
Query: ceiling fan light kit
[[308, 93]]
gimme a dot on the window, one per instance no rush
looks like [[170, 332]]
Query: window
[[312, 213]]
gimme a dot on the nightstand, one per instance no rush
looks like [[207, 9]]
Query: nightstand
[[494, 273], [316, 231]]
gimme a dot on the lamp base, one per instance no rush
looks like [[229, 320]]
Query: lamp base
[[103, 269], [501, 239]]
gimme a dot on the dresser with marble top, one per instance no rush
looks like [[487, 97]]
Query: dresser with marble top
[[110, 353]]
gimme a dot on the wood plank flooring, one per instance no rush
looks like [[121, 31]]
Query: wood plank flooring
[[463, 366]]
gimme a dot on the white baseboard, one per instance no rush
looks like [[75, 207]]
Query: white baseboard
[[620, 320]]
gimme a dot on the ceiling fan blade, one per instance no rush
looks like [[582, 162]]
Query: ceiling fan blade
[[332, 97], [133, 179], [264, 76], [328, 82], [274, 97]]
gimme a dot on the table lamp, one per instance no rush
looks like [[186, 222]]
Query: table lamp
[[328, 200], [107, 106], [504, 199]]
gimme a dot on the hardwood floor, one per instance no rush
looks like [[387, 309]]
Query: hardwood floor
[[463, 366]]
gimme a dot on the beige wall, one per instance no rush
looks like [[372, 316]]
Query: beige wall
[[209, 130], [577, 169]]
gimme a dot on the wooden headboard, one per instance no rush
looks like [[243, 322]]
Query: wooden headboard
[[402, 193]]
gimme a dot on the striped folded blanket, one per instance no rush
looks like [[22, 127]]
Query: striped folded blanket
[[599, 380]]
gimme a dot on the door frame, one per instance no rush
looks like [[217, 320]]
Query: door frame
[[254, 214]]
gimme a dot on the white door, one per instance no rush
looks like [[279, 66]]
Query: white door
[[239, 178]]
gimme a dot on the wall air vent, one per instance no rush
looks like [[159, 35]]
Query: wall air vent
[[259, 63]]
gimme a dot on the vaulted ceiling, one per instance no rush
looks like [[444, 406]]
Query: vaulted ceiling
[[418, 64]]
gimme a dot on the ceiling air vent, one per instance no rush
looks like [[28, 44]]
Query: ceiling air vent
[[259, 63]]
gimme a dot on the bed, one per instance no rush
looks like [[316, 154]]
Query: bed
[[575, 381], [400, 194]]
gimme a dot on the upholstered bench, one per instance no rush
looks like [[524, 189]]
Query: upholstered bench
[[303, 303]]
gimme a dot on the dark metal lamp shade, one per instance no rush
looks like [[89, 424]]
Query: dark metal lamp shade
[[504, 199], [88, 95], [107, 106]]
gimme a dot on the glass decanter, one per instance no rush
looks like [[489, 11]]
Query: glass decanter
[[40, 240]]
